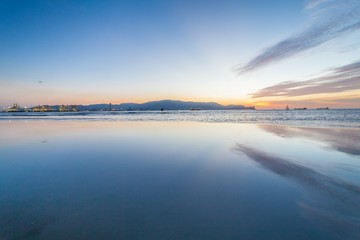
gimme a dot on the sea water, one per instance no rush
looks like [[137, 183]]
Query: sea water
[[198, 175], [315, 118]]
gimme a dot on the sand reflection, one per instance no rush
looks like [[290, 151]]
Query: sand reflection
[[328, 201], [343, 140]]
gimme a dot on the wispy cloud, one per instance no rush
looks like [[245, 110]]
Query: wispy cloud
[[329, 19], [313, 3], [341, 79]]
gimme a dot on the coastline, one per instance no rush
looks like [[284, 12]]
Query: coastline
[[343, 118]]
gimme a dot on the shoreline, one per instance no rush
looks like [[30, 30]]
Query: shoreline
[[95, 120]]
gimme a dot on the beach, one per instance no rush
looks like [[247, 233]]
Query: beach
[[177, 180], [180, 120]]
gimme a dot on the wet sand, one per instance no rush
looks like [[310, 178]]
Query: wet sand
[[177, 180]]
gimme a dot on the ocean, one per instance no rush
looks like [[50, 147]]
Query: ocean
[[314, 118], [180, 175]]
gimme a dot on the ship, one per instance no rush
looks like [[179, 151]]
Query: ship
[[323, 108]]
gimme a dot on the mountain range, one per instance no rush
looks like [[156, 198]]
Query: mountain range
[[163, 105]]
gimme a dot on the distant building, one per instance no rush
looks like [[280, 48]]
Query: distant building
[[68, 108], [15, 108], [43, 108], [63, 108]]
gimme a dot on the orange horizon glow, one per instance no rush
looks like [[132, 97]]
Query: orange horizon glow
[[52, 96], [260, 105]]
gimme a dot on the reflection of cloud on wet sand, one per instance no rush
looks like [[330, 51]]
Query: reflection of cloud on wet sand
[[331, 202], [343, 140]]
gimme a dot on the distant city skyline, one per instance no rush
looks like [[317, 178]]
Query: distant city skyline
[[268, 54]]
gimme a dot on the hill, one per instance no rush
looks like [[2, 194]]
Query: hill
[[165, 105]]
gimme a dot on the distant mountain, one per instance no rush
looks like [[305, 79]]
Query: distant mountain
[[165, 105], [171, 105]]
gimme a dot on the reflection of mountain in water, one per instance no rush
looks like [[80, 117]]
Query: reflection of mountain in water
[[343, 140], [331, 203]]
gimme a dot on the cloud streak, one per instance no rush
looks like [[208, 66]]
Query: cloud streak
[[341, 79], [329, 20]]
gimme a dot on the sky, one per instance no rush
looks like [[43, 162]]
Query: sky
[[273, 53]]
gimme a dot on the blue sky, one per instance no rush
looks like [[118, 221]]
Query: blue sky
[[82, 52]]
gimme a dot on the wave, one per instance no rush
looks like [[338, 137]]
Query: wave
[[310, 118]]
